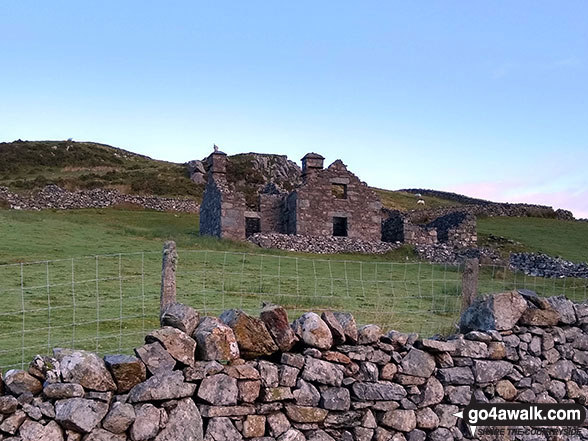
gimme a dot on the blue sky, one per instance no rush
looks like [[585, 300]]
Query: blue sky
[[487, 98]]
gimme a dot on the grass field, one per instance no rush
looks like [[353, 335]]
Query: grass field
[[551, 236], [107, 303]]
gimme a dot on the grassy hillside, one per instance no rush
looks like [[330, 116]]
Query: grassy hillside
[[551, 236], [28, 165], [401, 200]]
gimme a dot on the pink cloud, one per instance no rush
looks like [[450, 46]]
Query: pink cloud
[[513, 191]]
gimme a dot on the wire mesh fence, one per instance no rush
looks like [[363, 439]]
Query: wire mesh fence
[[102, 303], [107, 303]]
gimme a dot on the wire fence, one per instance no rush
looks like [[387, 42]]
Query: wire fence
[[107, 303]]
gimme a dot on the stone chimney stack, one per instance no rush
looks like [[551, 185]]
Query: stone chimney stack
[[216, 163], [311, 162]]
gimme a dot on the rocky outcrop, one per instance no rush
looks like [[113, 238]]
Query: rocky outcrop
[[54, 197], [325, 380]]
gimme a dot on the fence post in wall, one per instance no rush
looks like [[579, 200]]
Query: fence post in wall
[[469, 285], [168, 276]]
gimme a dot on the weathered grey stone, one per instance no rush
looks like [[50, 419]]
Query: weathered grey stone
[[418, 363], [368, 334], [348, 324], [456, 375], [278, 424], [432, 393], [276, 321], [292, 435], [102, 435], [216, 341], [319, 435], [8, 404], [244, 371], [84, 368], [184, 423], [426, 419], [498, 311], [303, 414], [33, 431], [12, 422], [439, 346], [561, 370], [381, 391], [269, 373], [416, 435], [399, 419], [441, 434], [182, 317], [471, 349], [487, 371], [322, 372], [252, 336], [222, 429], [80, 414], [248, 390], [119, 418], [313, 331], [288, 376], [45, 368], [126, 370], [306, 394], [446, 412], [19, 382], [156, 358], [254, 426], [220, 389], [565, 308], [164, 386], [271, 394], [337, 330], [294, 360], [177, 343], [146, 424], [202, 369], [226, 411], [335, 398], [60, 391], [348, 419], [459, 394]]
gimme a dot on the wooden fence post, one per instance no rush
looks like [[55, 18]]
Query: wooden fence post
[[469, 285], [168, 276]]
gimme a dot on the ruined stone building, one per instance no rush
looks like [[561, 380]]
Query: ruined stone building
[[331, 201], [457, 229], [328, 201]]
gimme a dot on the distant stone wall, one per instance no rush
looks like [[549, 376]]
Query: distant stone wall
[[320, 378], [54, 197]]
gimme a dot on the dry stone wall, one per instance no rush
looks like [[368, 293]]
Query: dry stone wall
[[54, 197], [320, 378]]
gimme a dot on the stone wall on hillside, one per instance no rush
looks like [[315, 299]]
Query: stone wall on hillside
[[320, 378], [54, 197]]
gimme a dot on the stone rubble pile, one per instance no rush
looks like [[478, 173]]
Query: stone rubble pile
[[320, 244], [55, 197], [320, 378], [442, 253], [542, 265]]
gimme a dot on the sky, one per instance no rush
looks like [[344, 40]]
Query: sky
[[485, 98]]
